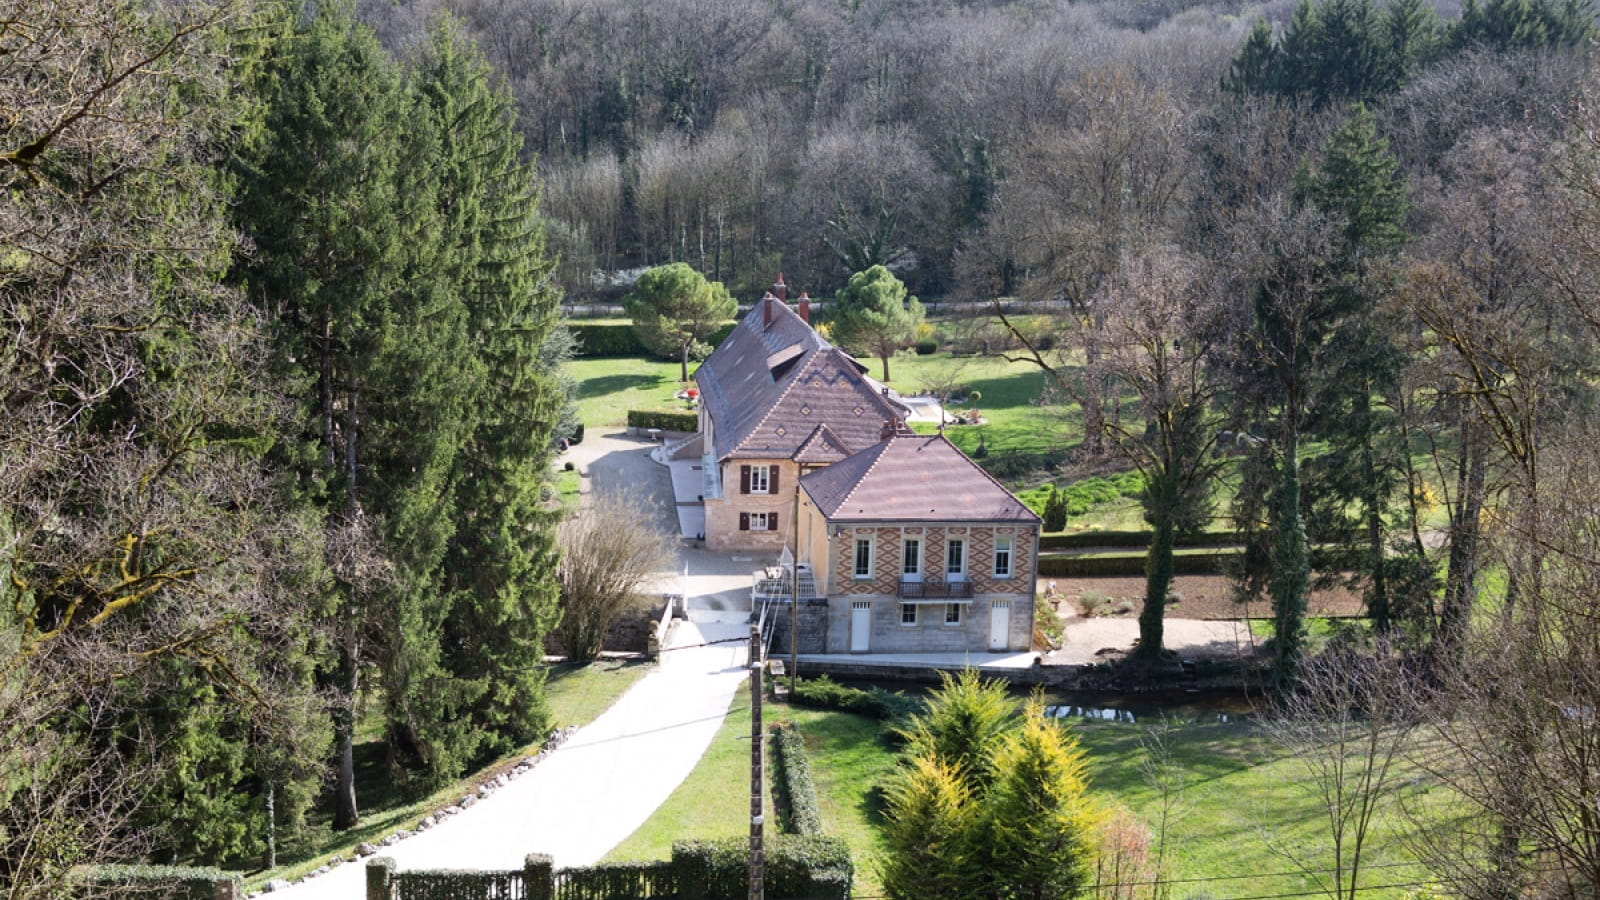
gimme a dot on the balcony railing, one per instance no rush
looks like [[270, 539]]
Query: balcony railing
[[935, 590]]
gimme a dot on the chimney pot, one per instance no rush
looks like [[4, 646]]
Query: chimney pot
[[779, 289], [805, 308], [766, 309]]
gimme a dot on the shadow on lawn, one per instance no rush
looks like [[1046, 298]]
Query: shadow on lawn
[[610, 384]]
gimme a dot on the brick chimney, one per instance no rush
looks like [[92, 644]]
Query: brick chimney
[[805, 308], [766, 310], [779, 289], [891, 427]]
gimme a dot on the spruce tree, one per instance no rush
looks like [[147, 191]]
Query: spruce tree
[[499, 574]]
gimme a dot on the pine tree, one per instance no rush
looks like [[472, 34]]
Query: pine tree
[[873, 312], [674, 309], [1039, 819]]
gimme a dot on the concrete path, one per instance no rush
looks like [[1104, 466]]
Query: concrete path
[[594, 791]]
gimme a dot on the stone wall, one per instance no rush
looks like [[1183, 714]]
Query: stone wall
[[931, 634], [814, 627], [722, 515]]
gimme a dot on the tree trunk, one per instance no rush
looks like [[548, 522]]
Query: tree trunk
[[345, 813], [1291, 568], [1460, 586], [683, 362], [1094, 418], [1158, 575], [1378, 606]]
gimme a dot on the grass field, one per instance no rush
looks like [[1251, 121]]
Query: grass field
[[575, 694], [1244, 821], [607, 387]]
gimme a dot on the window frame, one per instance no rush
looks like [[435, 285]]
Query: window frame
[[863, 544], [1004, 550], [908, 611], [907, 568], [764, 474], [952, 615], [952, 571]]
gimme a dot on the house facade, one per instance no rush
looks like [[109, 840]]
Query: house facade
[[777, 402], [910, 547]]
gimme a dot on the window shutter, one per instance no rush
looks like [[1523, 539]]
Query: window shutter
[[744, 479], [744, 521], [772, 521], [772, 480]]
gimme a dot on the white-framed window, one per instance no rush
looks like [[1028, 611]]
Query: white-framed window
[[952, 614], [1002, 557], [863, 567], [758, 521], [908, 614], [955, 560], [911, 560], [760, 479]]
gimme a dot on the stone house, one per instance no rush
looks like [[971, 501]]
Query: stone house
[[908, 546], [777, 401]]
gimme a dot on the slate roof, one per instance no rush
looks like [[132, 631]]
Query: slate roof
[[822, 446], [768, 386], [912, 478]]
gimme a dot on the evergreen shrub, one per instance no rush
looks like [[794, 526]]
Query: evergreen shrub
[[875, 702]]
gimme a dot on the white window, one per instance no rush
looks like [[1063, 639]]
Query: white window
[[908, 614], [911, 560], [956, 560], [863, 558], [952, 614], [760, 479], [1002, 557], [758, 521]]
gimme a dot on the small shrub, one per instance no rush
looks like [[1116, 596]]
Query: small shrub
[[926, 347], [577, 435], [1055, 510], [1091, 602], [1049, 624], [1122, 607], [568, 466]]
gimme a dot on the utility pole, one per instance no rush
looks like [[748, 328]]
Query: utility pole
[[758, 890]]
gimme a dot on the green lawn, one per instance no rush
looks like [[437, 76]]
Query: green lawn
[[1244, 811], [576, 695], [607, 387]]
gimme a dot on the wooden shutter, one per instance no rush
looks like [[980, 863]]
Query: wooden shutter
[[772, 521], [744, 520], [772, 480], [744, 479]]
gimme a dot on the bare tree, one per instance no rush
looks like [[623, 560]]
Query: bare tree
[[610, 549], [1348, 724]]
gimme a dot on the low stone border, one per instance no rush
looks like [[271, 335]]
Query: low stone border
[[558, 736]]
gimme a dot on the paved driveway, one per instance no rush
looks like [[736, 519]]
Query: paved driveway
[[609, 777]]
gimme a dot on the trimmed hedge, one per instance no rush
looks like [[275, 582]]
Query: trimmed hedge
[[619, 339], [795, 776], [1136, 539], [825, 693], [797, 868], [657, 880], [664, 419], [1215, 562], [457, 884], [174, 882]]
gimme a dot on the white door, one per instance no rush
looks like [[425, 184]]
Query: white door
[[999, 624], [860, 626]]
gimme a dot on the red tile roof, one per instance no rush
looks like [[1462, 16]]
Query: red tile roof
[[912, 478]]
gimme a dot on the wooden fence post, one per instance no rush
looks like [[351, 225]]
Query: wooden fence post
[[539, 876]]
